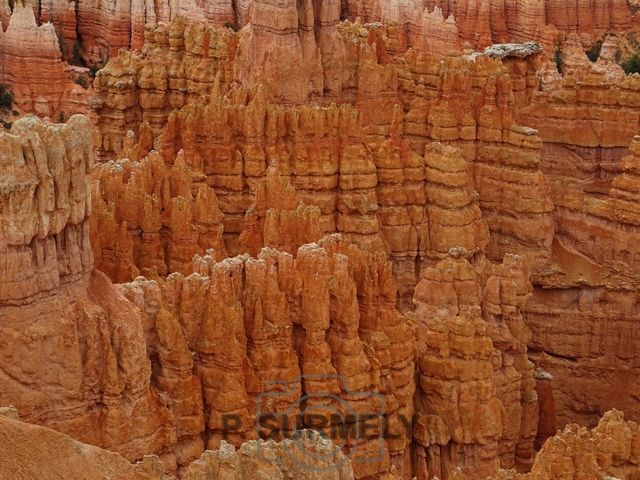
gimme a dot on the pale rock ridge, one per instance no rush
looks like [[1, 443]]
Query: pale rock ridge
[[45, 201], [310, 456], [73, 353], [607, 451], [29, 451]]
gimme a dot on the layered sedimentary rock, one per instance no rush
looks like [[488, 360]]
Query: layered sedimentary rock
[[179, 63], [607, 451], [73, 354], [481, 23], [587, 123], [338, 154], [33, 70], [266, 332], [594, 289], [476, 405]]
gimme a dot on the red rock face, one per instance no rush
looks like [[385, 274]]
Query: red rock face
[[33, 70], [73, 348], [593, 286], [316, 214]]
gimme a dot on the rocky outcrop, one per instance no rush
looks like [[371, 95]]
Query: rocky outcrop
[[591, 284], [151, 217], [308, 455], [476, 398], [266, 333], [73, 355], [593, 287], [33, 70], [179, 63], [606, 451]]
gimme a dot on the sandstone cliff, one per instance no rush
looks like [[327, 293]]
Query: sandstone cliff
[[33, 70], [476, 399], [73, 355]]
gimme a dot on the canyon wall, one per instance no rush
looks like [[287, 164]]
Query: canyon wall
[[31, 67], [482, 23], [583, 313]]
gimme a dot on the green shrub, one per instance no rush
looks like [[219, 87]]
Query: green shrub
[[594, 51], [6, 97], [558, 60], [632, 64], [80, 80], [232, 25], [76, 56]]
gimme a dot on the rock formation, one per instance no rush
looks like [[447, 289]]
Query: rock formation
[[390, 223], [481, 23], [477, 405], [152, 218], [73, 355], [587, 123], [606, 451], [33, 70]]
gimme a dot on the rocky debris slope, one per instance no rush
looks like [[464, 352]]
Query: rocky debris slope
[[33, 69], [28, 451]]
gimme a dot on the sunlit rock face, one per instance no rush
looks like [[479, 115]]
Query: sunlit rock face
[[426, 211]]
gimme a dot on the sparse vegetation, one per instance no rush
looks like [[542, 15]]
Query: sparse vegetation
[[594, 51], [232, 25], [61, 117], [80, 80], [93, 70], [558, 59], [6, 97], [632, 64], [76, 55], [6, 125]]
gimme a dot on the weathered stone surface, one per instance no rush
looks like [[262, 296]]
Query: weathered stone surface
[[152, 217], [72, 352], [33, 69], [475, 378]]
